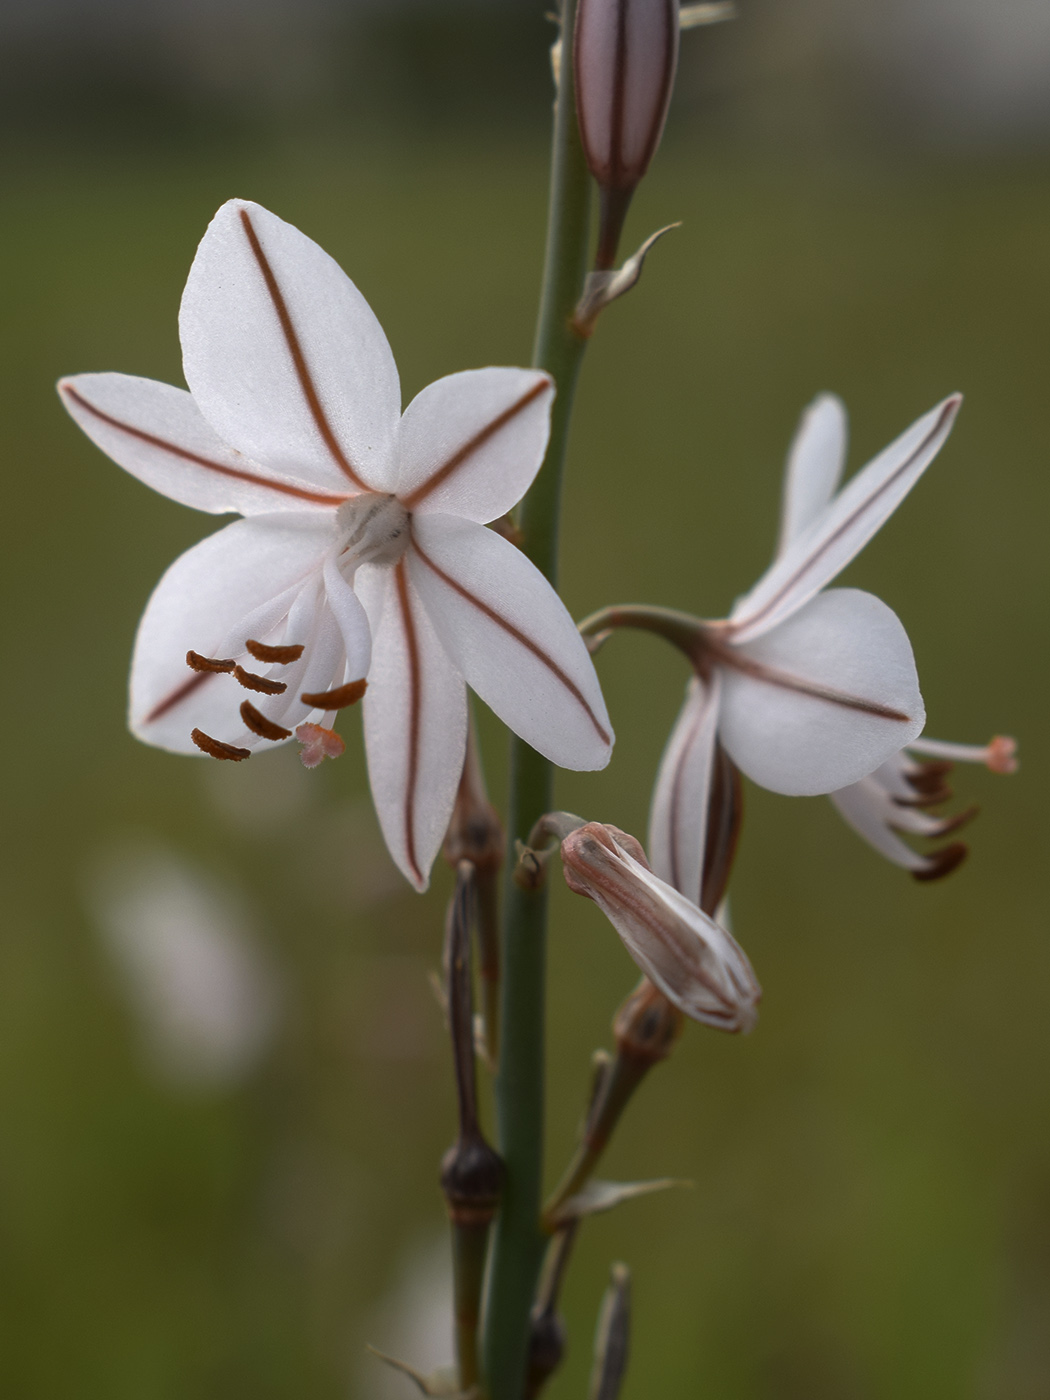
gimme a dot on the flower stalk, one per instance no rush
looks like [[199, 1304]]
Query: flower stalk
[[646, 1028], [471, 1173], [519, 1242]]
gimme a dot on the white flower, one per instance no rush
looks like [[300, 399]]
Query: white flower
[[690, 958], [808, 690], [894, 801], [363, 551]]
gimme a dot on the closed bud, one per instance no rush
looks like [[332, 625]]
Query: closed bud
[[690, 958], [624, 58]]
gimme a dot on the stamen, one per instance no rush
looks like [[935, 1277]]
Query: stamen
[[337, 699], [259, 724], [215, 748], [280, 656], [942, 863], [251, 681], [928, 777], [203, 664]]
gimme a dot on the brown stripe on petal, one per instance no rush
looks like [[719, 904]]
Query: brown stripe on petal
[[942, 863], [259, 724], [520, 637], [279, 656], [337, 699], [414, 716], [849, 522], [295, 349], [442, 474], [215, 748], [261, 684], [196, 662], [737, 660], [180, 693], [321, 498]]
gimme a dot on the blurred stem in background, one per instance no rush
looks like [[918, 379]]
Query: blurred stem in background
[[519, 1242]]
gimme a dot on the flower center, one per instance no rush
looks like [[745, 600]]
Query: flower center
[[374, 528]]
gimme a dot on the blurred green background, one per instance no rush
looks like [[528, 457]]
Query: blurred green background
[[871, 1212]]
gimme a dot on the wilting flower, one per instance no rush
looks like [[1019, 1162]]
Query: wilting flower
[[894, 801], [690, 958], [807, 690], [363, 551]]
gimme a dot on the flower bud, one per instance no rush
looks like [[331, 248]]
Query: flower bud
[[624, 58], [695, 963]]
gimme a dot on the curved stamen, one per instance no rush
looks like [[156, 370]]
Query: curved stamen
[[215, 748]]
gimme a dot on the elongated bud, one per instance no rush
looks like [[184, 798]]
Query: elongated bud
[[624, 58], [693, 961], [612, 1337]]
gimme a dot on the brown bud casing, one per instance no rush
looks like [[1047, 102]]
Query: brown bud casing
[[624, 58], [647, 1025]]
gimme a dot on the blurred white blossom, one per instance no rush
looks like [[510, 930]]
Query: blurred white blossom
[[183, 943]]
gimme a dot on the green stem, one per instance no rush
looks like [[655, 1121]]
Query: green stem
[[519, 1241]]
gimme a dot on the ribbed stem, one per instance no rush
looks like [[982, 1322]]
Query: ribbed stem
[[519, 1242]]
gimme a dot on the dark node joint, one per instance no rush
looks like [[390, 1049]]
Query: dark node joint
[[472, 1179]]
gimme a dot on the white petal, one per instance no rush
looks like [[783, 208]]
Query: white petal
[[814, 467], [678, 816], [850, 643], [859, 806], [284, 356], [511, 637], [470, 444], [156, 432], [415, 713], [206, 592], [842, 531]]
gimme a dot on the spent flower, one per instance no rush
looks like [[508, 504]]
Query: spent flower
[[363, 551], [687, 956]]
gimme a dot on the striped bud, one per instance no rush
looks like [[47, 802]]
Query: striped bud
[[624, 58]]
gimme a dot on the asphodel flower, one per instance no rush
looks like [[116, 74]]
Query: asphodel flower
[[687, 956], [806, 689], [363, 551]]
